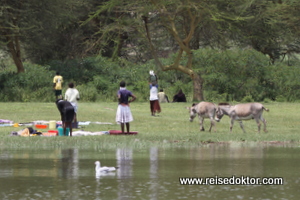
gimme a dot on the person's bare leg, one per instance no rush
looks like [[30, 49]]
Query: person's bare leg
[[75, 118], [69, 125], [127, 127], [122, 128], [64, 127]]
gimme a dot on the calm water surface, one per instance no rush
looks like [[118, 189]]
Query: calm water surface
[[148, 174]]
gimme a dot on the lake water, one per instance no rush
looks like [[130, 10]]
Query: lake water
[[150, 174]]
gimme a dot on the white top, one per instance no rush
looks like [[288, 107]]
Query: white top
[[72, 95], [153, 93]]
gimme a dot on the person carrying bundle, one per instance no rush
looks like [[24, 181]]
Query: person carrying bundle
[[152, 78]]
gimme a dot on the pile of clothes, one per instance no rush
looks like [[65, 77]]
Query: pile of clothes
[[29, 131]]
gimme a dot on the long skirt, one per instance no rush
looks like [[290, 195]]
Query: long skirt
[[154, 106], [123, 114]]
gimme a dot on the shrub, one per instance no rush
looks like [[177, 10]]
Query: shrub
[[87, 92], [247, 98], [34, 84], [267, 100], [280, 98], [214, 96]]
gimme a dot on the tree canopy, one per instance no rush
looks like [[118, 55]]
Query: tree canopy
[[42, 31]]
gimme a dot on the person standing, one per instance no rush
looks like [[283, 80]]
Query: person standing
[[154, 104], [152, 78], [123, 115], [67, 114], [57, 85], [72, 96]]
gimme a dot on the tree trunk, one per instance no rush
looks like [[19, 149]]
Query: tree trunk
[[198, 88], [15, 52]]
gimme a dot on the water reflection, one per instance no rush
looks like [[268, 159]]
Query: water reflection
[[69, 163], [148, 174], [153, 173], [124, 163], [241, 159]]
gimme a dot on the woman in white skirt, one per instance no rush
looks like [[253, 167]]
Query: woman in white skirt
[[124, 115]]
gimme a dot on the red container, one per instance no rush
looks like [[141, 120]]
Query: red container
[[53, 131], [41, 126]]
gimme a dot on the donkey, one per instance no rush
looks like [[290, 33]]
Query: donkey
[[204, 110], [241, 112]]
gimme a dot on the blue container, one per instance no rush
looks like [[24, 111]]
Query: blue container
[[61, 131]]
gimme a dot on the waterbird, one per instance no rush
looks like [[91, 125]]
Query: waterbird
[[103, 169]]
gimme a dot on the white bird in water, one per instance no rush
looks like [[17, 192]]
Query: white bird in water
[[103, 169]]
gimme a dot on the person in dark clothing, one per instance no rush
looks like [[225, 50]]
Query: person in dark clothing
[[179, 97], [67, 113]]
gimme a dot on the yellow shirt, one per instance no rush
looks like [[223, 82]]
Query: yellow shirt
[[58, 81]]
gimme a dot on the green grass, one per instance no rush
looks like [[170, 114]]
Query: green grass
[[171, 129]]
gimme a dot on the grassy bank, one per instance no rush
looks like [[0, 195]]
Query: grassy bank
[[171, 129]]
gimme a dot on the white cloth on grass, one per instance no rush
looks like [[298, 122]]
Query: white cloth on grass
[[123, 114]]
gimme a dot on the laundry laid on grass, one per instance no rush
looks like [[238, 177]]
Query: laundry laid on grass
[[39, 128], [27, 132], [5, 122]]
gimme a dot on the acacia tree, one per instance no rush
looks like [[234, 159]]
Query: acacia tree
[[271, 28], [42, 30], [10, 30], [158, 21]]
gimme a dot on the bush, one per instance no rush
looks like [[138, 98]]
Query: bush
[[247, 98], [33, 85], [267, 100], [214, 96], [88, 92], [231, 75], [280, 98]]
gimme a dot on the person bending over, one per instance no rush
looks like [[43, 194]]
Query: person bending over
[[67, 113]]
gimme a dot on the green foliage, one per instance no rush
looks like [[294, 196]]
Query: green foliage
[[247, 98], [33, 85], [235, 73], [232, 75], [267, 100], [214, 96], [280, 98], [88, 92]]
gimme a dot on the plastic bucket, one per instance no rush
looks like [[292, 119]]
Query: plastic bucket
[[52, 124], [61, 131]]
